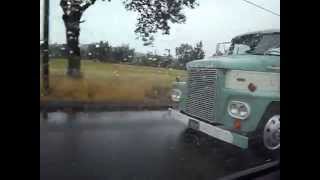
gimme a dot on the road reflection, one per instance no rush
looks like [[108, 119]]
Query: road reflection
[[133, 145]]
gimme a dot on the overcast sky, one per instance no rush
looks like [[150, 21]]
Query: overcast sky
[[212, 22]]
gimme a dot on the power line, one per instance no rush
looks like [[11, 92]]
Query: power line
[[258, 6]]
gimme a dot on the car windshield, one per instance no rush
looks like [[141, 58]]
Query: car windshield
[[147, 89], [257, 44]]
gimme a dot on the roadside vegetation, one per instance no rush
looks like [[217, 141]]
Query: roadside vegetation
[[111, 83]]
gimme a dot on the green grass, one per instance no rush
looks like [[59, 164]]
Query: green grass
[[115, 83]]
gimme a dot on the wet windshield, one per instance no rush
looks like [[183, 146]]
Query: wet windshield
[[258, 44], [118, 101]]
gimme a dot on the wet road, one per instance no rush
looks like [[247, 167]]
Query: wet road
[[133, 145]]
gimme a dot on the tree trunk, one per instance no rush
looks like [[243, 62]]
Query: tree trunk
[[72, 25]]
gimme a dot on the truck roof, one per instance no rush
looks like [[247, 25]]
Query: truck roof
[[268, 31]]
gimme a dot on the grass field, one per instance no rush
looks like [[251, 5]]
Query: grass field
[[114, 83]]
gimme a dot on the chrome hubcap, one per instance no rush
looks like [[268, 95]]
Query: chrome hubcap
[[271, 133]]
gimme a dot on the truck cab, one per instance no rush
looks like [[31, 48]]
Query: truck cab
[[235, 98]]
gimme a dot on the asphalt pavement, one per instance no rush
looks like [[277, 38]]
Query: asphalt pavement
[[141, 145]]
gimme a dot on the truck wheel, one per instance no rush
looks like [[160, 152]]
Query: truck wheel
[[271, 133], [267, 136]]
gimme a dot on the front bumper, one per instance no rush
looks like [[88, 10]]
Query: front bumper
[[214, 131]]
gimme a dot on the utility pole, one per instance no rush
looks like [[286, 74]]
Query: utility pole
[[45, 59]]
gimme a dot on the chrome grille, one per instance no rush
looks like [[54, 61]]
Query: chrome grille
[[201, 94]]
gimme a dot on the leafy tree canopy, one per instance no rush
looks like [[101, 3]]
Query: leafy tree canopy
[[153, 15], [187, 53]]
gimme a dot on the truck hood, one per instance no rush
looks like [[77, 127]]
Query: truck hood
[[261, 63]]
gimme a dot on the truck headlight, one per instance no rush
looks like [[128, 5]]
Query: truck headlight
[[239, 110], [176, 95]]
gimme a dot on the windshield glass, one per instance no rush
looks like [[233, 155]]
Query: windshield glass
[[148, 90], [257, 44]]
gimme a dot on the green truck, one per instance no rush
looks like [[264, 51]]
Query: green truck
[[235, 97]]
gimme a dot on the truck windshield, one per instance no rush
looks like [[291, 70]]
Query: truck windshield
[[258, 44]]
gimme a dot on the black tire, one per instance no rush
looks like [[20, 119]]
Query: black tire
[[257, 143]]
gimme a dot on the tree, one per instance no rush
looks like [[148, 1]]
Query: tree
[[187, 53], [92, 52], [153, 15], [104, 51], [122, 53], [198, 52], [184, 53], [57, 50], [167, 59]]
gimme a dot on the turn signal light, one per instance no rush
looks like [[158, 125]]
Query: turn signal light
[[237, 124]]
